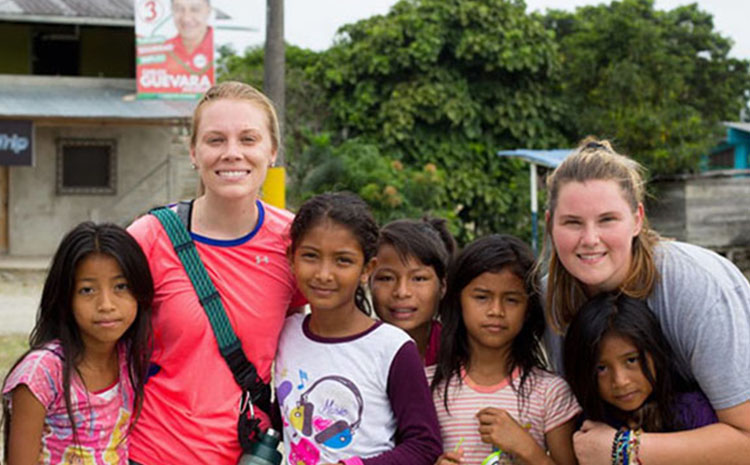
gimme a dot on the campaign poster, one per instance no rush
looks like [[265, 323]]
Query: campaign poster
[[174, 48]]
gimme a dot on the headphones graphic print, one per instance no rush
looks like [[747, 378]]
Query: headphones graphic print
[[340, 433]]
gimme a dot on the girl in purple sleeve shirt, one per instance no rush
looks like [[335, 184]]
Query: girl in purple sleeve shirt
[[623, 371], [351, 389]]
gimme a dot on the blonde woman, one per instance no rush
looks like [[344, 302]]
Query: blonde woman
[[600, 241], [191, 401]]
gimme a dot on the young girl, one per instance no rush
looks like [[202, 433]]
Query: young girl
[[74, 396], [623, 371], [409, 279], [350, 388], [489, 386]]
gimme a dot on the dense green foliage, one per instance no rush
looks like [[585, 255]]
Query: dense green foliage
[[315, 164], [657, 83], [409, 109], [451, 82], [306, 104], [392, 189]]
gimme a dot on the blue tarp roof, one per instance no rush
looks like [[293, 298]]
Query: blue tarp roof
[[549, 158]]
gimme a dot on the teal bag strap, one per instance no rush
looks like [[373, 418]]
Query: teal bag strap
[[230, 347], [204, 287]]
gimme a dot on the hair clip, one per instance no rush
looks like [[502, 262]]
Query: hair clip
[[594, 145]]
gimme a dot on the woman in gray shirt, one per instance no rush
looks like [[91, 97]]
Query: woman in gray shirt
[[600, 241]]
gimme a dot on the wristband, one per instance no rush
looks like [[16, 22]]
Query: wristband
[[625, 447]]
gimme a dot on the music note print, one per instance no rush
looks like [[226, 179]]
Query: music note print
[[302, 378]]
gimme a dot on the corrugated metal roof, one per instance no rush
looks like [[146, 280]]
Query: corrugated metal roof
[[38, 97], [113, 9], [105, 12], [745, 127]]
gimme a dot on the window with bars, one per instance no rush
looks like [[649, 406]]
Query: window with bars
[[86, 166]]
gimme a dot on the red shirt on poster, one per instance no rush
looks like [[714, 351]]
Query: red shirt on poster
[[169, 68]]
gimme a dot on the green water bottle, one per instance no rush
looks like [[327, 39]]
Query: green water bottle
[[498, 457], [264, 452]]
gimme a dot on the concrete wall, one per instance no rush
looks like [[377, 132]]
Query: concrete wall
[[717, 211], [711, 212], [153, 169], [707, 211], [666, 210]]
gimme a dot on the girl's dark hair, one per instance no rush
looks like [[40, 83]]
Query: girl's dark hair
[[491, 254], [617, 314], [428, 240], [347, 210], [55, 319]]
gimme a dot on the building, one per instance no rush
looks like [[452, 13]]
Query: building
[[708, 208], [75, 143], [733, 152]]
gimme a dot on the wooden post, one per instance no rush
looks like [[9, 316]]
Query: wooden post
[[4, 189], [274, 86]]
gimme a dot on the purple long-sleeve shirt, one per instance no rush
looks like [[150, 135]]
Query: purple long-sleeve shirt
[[418, 439]]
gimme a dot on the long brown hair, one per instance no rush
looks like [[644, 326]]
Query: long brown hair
[[55, 320], [596, 160], [617, 315]]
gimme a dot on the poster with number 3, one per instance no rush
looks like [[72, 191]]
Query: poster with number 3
[[174, 48]]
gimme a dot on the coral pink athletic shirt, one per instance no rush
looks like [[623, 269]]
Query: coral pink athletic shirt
[[191, 401]]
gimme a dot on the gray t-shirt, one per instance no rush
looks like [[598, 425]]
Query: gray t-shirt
[[702, 302]]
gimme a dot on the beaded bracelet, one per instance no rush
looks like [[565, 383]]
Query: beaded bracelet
[[625, 447], [623, 443], [635, 446]]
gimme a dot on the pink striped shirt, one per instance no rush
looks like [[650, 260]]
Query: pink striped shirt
[[550, 404]]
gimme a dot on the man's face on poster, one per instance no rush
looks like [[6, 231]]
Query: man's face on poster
[[191, 18]]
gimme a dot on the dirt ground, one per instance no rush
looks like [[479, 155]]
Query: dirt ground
[[21, 282], [20, 291]]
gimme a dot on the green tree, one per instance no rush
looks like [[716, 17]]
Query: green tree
[[449, 83], [657, 83], [315, 164], [392, 189]]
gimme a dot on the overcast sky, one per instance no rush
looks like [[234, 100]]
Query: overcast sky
[[313, 23]]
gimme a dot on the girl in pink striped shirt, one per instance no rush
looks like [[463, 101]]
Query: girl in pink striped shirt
[[74, 396], [495, 401]]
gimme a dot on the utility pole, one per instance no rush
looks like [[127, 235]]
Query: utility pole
[[274, 86]]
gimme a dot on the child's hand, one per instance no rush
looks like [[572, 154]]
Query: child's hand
[[451, 458], [501, 430]]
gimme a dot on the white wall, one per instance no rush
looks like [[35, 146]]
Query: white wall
[[152, 169]]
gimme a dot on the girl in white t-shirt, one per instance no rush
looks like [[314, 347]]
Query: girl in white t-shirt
[[350, 389]]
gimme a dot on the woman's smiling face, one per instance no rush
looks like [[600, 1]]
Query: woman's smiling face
[[592, 229], [233, 148]]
